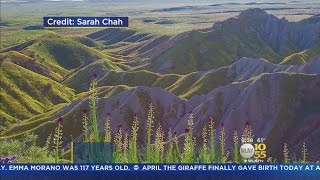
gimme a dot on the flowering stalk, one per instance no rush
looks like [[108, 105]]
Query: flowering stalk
[[93, 108], [158, 147], [205, 157], [149, 131], [107, 129], [189, 144], [85, 124], [48, 143], [125, 145], [57, 140], [247, 133], [285, 153], [177, 149], [170, 153], [134, 139], [117, 145], [236, 146], [212, 140], [222, 142], [304, 152]]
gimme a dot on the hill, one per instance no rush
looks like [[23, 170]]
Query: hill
[[253, 33]]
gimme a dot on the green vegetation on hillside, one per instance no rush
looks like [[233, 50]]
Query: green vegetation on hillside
[[213, 49], [303, 56], [25, 93]]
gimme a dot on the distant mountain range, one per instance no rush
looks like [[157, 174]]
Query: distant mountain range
[[251, 68]]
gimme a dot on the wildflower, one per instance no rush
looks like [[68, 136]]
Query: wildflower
[[247, 132], [205, 157], [107, 129], [93, 108], [7, 159], [85, 125], [285, 153], [149, 131], [94, 76], [158, 149], [212, 140], [135, 114], [236, 146], [304, 152], [189, 144], [222, 142], [57, 140], [59, 121], [133, 141]]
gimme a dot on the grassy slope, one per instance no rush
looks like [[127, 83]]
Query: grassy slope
[[45, 68], [64, 52], [44, 123], [25, 93], [31, 73], [184, 86], [303, 56], [81, 78], [214, 49]]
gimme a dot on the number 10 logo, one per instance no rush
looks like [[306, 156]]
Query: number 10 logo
[[260, 151]]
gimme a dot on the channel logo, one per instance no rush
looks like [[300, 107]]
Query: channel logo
[[258, 151], [247, 151]]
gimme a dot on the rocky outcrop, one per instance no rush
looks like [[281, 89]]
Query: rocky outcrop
[[278, 33]]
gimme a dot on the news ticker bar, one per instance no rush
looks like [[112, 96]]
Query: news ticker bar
[[314, 168], [85, 21]]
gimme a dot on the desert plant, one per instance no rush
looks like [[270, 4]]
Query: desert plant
[[125, 148], [85, 124], [222, 143], [236, 146], [212, 140], [57, 140], [177, 151], [247, 134], [205, 156], [158, 147], [117, 145], [189, 142], [285, 153], [107, 129], [93, 108], [149, 131], [134, 140], [304, 153], [48, 143], [25, 150], [169, 156]]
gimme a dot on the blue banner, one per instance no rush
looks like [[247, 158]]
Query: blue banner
[[314, 168], [85, 21], [160, 171]]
